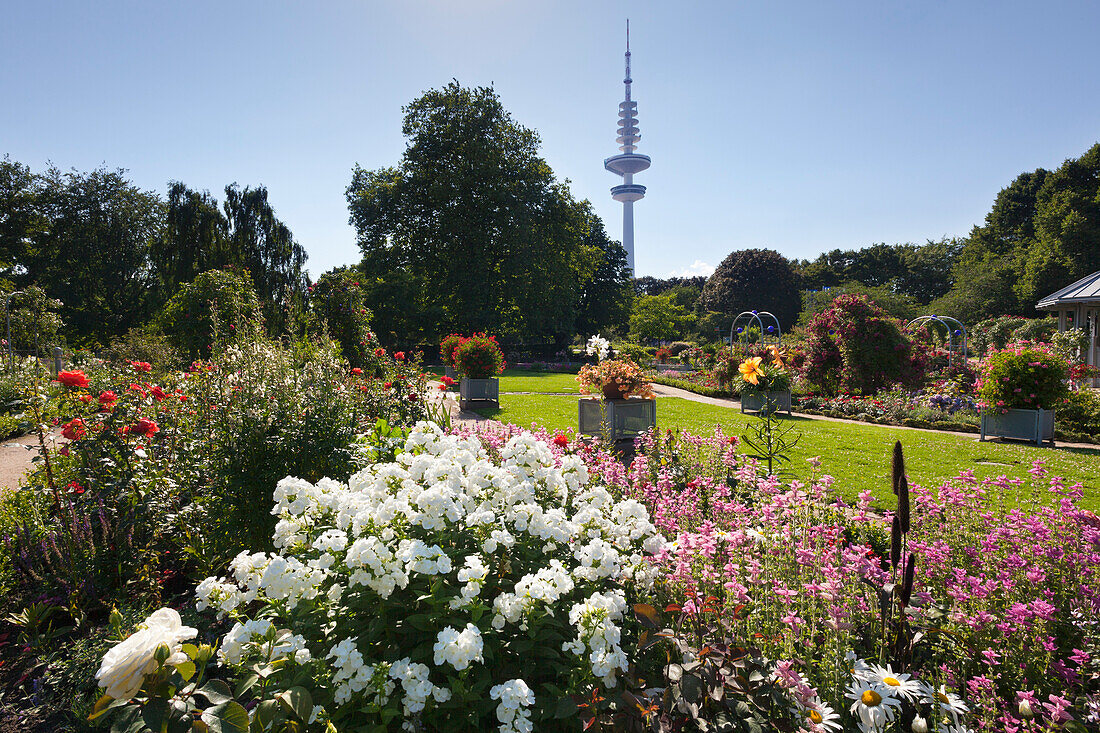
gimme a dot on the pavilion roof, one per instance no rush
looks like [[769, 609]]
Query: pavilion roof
[[1085, 290]]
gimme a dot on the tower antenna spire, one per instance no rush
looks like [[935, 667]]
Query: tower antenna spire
[[629, 162]]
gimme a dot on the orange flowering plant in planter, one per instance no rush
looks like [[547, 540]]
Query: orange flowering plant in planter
[[615, 378]]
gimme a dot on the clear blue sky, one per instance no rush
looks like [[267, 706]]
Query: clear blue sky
[[800, 126]]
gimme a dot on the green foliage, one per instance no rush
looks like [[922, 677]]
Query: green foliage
[[470, 231], [209, 311], [447, 348], [1080, 413], [753, 280], [657, 317], [995, 333], [147, 344], [606, 299], [338, 306], [35, 321], [1024, 377], [917, 274], [1040, 235], [479, 357], [637, 353], [895, 304]]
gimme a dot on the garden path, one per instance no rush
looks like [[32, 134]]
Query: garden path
[[16, 458]]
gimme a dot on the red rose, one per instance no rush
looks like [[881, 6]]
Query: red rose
[[157, 392], [356, 371], [448, 381], [561, 441], [413, 398], [144, 426], [74, 429], [387, 385], [399, 355], [75, 378], [108, 398], [141, 366], [442, 388], [85, 398], [379, 352]]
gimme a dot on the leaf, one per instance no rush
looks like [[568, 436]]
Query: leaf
[[154, 712], [692, 687], [186, 670], [265, 712], [564, 708], [298, 701], [647, 614], [104, 704], [247, 684], [190, 649], [216, 691], [228, 717]]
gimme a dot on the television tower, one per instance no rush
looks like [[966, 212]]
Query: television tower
[[628, 162]]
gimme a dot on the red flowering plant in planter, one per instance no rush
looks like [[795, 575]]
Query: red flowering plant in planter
[[479, 357], [1024, 375], [447, 348]]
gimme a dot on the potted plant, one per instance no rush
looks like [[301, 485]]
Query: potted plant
[[1018, 391], [479, 360], [616, 416], [765, 383], [447, 352], [615, 379]]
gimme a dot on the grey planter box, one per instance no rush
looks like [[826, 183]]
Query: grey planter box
[[478, 392], [754, 401], [1033, 425], [626, 418]]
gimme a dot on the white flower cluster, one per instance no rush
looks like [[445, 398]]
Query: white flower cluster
[[458, 648], [443, 528], [260, 637], [598, 347], [514, 696], [597, 634]]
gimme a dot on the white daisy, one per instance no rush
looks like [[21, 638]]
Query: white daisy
[[948, 702], [821, 716], [873, 704], [903, 684]]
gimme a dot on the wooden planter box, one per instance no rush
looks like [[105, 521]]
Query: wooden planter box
[[478, 393], [1033, 425], [778, 401], [622, 418]]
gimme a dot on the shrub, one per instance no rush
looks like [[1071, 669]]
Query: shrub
[[337, 305], [1023, 376], [372, 623], [479, 357], [853, 347], [996, 333], [678, 347], [210, 310], [1081, 413], [634, 352], [145, 344], [34, 319]]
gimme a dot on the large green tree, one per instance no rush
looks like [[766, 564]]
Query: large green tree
[[94, 254], [471, 231], [754, 279], [607, 297]]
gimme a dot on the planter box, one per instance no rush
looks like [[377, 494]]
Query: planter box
[[450, 372], [478, 393], [622, 419], [1033, 425], [778, 401]]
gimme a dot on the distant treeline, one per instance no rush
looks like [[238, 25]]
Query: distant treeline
[[114, 254]]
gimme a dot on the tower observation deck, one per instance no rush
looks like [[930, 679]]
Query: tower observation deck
[[628, 163]]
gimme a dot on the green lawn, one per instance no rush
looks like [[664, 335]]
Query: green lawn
[[522, 380], [856, 454]]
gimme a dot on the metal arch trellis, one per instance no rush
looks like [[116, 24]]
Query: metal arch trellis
[[956, 336], [770, 334]]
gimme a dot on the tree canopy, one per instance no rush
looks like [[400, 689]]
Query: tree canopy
[[470, 231], [753, 279]]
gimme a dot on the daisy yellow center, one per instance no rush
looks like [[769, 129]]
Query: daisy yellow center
[[891, 681], [870, 698], [815, 717], [942, 698]]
